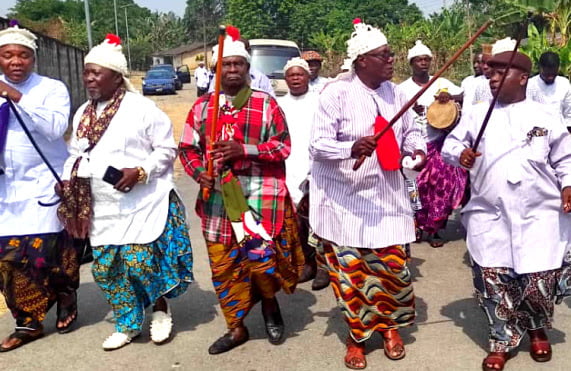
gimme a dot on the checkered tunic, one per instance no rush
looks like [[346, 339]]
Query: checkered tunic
[[266, 141]]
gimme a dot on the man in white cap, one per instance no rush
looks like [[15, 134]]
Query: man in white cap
[[248, 158], [119, 193], [440, 186], [364, 217], [257, 79], [517, 220], [299, 106], [38, 264], [202, 77]]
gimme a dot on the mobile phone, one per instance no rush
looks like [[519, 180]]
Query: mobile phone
[[112, 175]]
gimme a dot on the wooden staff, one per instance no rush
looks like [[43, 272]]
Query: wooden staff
[[413, 100], [503, 79], [215, 108]]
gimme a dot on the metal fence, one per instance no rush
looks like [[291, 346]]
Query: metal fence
[[62, 62]]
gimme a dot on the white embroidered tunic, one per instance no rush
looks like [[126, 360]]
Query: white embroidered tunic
[[44, 107], [514, 216], [140, 134]]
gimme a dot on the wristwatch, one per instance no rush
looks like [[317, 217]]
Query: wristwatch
[[142, 175]]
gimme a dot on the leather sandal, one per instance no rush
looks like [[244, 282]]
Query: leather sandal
[[393, 345], [497, 361], [355, 357], [321, 280], [228, 342], [23, 337], [66, 309], [540, 347]]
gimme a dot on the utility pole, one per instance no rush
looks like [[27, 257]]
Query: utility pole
[[469, 19], [116, 23], [204, 37], [127, 31], [88, 24]]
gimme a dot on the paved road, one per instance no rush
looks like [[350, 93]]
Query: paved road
[[450, 331]]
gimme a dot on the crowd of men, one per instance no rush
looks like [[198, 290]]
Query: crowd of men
[[281, 199]]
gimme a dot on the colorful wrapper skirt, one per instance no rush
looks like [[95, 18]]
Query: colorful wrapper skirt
[[515, 303], [373, 287], [33, 270], [134, 276], [240, 282], [441, 188]]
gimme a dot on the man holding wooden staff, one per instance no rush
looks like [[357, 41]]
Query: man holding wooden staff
[[364, 217], [519, 229], [248, 219]]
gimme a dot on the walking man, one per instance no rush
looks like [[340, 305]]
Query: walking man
[[519, 229], [119, 193], [248, 220], [364, 217], [201, 75], [38, 264]]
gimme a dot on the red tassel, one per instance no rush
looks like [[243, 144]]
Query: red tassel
[[113, 39], [388, 151], [233, 32], [356, 20]]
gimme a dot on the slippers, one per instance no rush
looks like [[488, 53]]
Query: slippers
[[64, 312], [24, 337], [494, 359], [355, 357], [118, 340], [161, 326], [393, 345]]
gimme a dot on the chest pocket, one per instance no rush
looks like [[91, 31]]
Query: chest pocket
[[538, 149]]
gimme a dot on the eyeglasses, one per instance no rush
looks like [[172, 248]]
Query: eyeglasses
[[384, 56]]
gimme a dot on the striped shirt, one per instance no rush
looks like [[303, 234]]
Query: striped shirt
[[262, 129], [367, 208]]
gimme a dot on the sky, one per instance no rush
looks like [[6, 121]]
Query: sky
[[178, 6]]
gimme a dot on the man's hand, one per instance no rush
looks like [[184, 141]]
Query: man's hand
[[443, 97], [468, 157], [228, 151], [11, 92], [58, 189], [363, 147], [419, 154], [566, 199], [205, 180], [128, 181]]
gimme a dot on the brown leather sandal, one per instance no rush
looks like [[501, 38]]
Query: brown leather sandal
[[495, 361], [19, 338], [540, 346], [355, 357], [393, 345]]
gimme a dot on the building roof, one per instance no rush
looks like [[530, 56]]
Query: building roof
[[189, 48]]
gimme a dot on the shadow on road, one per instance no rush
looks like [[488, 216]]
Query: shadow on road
[[295, 312]]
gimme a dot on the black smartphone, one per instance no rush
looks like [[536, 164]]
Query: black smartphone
[[112, 175]]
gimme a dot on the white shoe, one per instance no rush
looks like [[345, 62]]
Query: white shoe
[[118, 340], [161, 326]]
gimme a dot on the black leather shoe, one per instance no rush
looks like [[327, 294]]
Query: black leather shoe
[[321, 280], [228, 342], [308, 273], [275, 327]]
